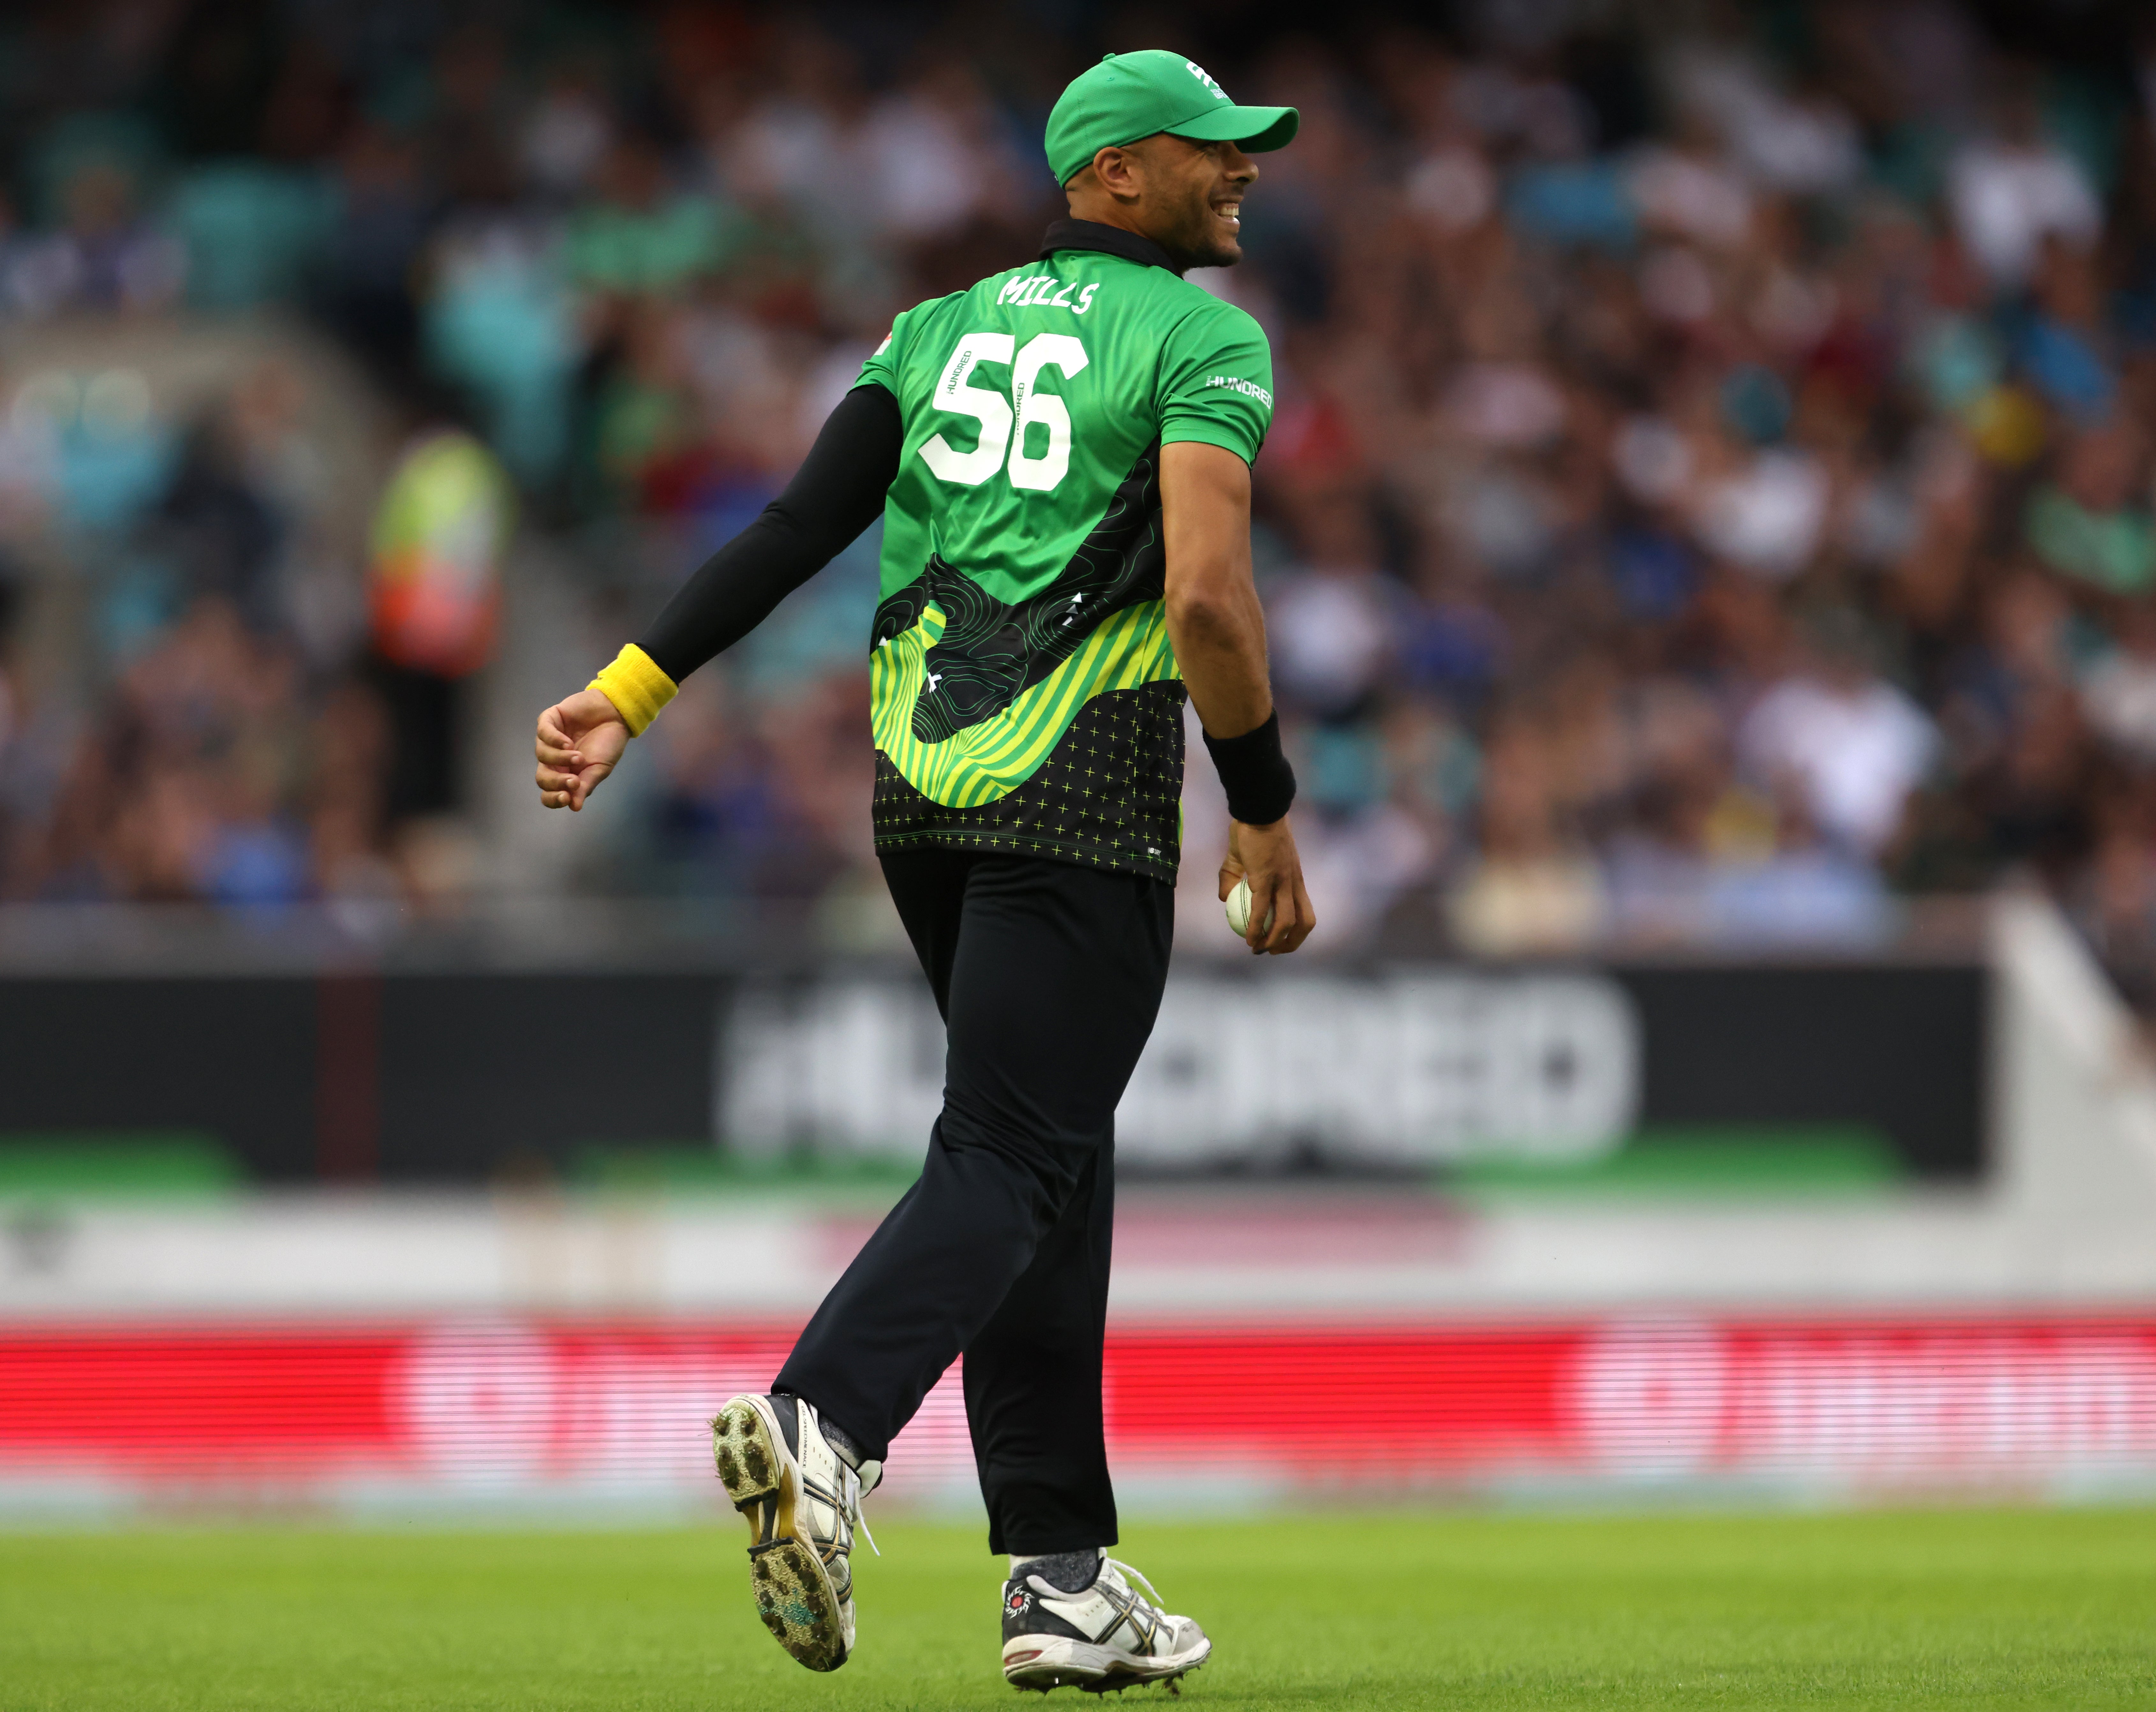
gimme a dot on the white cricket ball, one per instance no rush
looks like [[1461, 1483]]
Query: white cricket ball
[[1239, 911]]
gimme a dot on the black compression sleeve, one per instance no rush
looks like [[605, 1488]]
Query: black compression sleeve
[[1255, 771], [838, 492]]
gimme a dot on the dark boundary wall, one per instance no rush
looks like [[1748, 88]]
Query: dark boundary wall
[[1903, 1047], [449, 1077], [440, 1077]]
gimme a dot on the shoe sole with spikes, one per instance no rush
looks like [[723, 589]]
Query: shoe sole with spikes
[[794, 1594], [1040, 1662]]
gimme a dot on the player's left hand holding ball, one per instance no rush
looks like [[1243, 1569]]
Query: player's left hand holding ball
[[580, 739], [1279, 917]]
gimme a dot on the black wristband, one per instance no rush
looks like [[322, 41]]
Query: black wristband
[[1260, 784]]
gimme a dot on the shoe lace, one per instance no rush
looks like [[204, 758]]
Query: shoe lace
[[1157, 1620], [1048, 1589], [1129, 1573], [850, 1487]]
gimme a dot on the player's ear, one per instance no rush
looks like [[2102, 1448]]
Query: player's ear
[[1116, 170]]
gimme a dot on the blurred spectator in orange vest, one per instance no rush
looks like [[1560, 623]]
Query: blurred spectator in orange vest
[[433, 595]]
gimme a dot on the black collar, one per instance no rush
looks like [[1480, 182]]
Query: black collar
[[1091, 234]]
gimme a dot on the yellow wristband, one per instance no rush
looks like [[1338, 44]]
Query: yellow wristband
[[636, 686]]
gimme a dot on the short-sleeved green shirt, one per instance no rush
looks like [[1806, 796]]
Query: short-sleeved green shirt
[[1025, 695]]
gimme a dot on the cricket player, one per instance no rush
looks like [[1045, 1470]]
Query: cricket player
[[1061, 457]]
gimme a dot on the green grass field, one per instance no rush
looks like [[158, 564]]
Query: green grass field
[[1961, 1610]]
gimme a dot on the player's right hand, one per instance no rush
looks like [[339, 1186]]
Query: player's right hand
[[1280, 915], [580, 739]]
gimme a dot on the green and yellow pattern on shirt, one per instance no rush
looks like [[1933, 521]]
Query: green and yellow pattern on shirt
[[1025, 695]]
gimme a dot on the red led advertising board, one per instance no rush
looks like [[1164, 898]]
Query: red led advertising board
[[510, 1406]]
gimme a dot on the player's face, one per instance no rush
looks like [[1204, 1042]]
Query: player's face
[[1199, 215]]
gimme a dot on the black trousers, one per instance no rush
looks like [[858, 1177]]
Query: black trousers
[[1049, 976]]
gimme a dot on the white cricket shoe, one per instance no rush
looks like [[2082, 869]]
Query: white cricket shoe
[[802, 1501], [1107, 1636]]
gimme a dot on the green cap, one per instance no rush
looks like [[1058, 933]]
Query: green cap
[[1130, 95]]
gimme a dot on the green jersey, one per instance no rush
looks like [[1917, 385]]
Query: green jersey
[[1025, 695]]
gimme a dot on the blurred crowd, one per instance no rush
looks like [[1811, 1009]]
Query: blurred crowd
[[1710, 496]]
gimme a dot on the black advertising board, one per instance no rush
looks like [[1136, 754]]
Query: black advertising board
[[451, 1077]]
